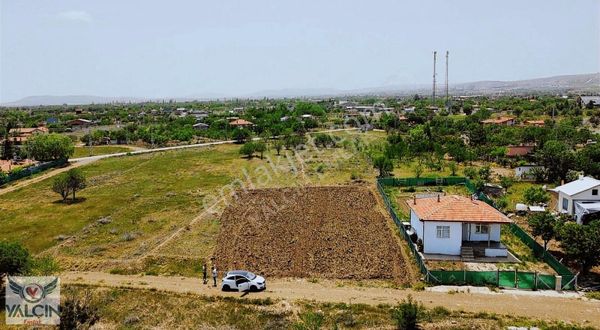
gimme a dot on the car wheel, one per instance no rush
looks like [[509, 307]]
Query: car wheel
[[253, 288], [225, 287]]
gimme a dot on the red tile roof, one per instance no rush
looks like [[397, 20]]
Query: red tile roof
[[241, 122], [501, 120], [456, 209], [534, 123], [519, 151]]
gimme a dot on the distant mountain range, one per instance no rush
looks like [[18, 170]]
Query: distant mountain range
[[579, 83]]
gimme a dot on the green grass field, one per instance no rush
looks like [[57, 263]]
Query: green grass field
[[98, 150], [148, 197]]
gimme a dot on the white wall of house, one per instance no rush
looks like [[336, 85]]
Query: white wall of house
[[470, 233], [584, 196], [416, 224], [450, 245]]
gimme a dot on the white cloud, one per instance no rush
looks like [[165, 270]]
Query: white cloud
[[75, 16]]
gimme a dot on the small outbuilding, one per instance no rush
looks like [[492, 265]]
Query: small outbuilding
[[585, 190]]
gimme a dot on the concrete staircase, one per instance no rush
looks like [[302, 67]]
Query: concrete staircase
[[466, 253]]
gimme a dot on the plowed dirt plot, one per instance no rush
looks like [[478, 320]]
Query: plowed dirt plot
[[331, 232]]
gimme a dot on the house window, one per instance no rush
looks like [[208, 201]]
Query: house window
[[565, 204], [594, 192], [482, 229], [443, 231]]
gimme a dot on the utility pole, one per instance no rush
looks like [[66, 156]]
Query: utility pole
[[447, 98], [434, 60]]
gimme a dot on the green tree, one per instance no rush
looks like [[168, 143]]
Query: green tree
[[588, 160], [535, 195], [14, 260], [418, 170], [48, 147], [384, 165], [278, 145], [580, 244], [506, 182], [453, 168], [60, 185], [76, 181], [248, 149], [543, 225], [240, 135], [557, 158], [470, 172], [485, 173], [260, 147], [7, 149]]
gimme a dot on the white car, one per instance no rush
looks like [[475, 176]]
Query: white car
[[242, 280]]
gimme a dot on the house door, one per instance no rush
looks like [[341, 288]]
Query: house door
[[465, 231]]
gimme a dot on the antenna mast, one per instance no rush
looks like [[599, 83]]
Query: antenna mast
[[447, 99], [434, 60]]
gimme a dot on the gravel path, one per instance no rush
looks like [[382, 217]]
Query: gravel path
[[547, 305]]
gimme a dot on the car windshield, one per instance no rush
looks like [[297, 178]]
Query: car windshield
[[250, 276]]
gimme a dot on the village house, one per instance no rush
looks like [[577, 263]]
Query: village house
[[595, 101], [519, 151], [19, 136], [579, 198], [457, 226], [79, 123], [200, 126], [534, 123], [241, 123], [506, 121]]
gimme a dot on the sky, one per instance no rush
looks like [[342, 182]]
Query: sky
[[177, 48]]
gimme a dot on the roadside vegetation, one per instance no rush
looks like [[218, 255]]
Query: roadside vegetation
[[142, 308]]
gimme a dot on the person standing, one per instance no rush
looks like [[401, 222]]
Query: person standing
[[214, 275], [204, 270]]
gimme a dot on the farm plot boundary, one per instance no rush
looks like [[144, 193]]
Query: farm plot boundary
[[508, 279]]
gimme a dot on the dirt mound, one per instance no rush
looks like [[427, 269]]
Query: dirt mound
[[332, 232]]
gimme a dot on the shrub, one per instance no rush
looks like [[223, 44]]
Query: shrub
[[405, 315], [78, 312], [320, 168], [535, 195], [309, 321], [14, 259], [44, 266], [470, 172]]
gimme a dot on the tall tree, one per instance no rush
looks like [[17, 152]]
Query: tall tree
[[60, 185], [76, 181], [543, 225], [384, 165], [48, 147], [581, 244], [557, 158]]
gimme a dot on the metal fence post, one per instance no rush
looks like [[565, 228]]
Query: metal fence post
[[498, 276]]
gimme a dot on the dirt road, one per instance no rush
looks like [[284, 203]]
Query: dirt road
[[568, 307], [25, 182]]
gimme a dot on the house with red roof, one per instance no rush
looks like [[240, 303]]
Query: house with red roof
[[519, 151], [241, 123], [457, 226], [505, 121]]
